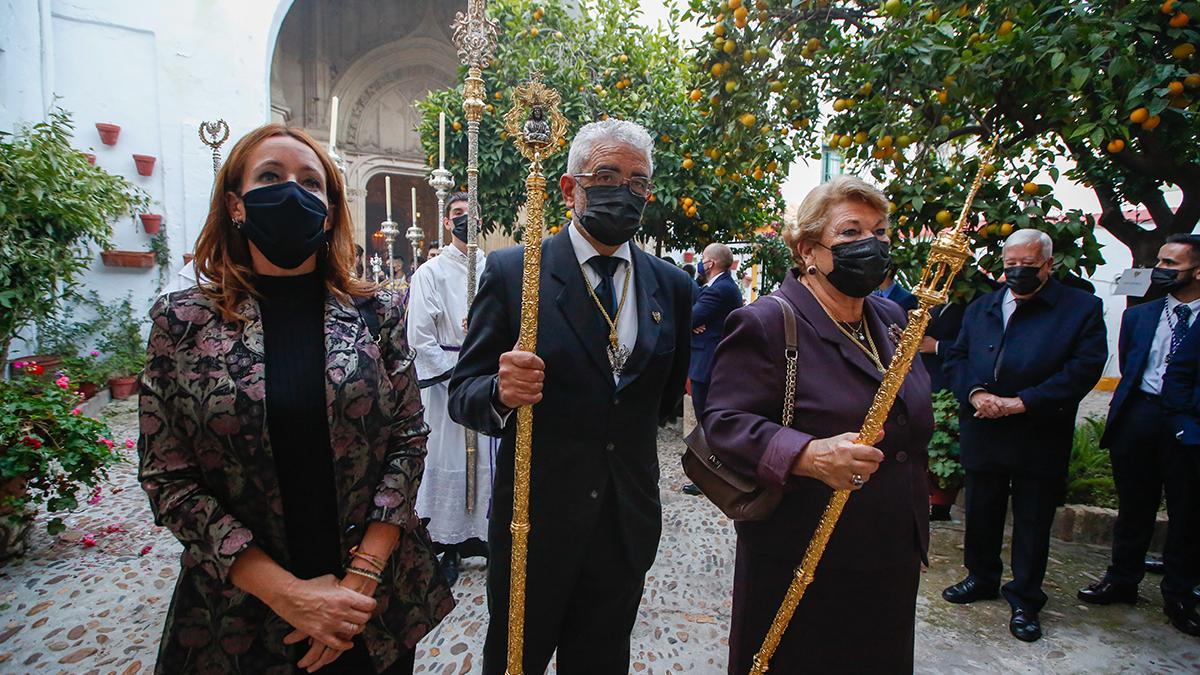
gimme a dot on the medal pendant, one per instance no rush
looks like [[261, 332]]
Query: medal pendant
[[617, 356]]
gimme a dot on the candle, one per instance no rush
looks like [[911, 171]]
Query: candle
[[333, 125], [441, 140], [387, 186], [414, 209]]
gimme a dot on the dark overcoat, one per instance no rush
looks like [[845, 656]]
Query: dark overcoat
[[208, 468], [712, 306], [866, 583], [1051, 355]]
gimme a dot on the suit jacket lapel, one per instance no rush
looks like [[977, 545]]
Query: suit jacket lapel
[[646, 287], [574, 301]]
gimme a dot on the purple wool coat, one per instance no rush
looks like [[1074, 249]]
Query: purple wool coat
[[866, 582]]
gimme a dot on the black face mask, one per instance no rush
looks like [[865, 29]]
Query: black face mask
[[286, 223], [613, 214], [460, 227], [1022, 279], [1166, 280], [860, 266]]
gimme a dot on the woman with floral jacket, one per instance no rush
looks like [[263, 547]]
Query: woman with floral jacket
[[282, 436]]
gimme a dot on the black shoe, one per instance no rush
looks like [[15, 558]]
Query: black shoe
[[449, 565], [1025, 626], [1155, 565], [1105, 592], [1183, 618], [969, 590], [939, 512], [691, 489]]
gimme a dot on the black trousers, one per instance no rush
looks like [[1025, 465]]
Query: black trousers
[[585, 608], [699, 399], [1140, 447], [1181, 554], [1034, 499]]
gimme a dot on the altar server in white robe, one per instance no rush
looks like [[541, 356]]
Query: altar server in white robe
[[437, 316]]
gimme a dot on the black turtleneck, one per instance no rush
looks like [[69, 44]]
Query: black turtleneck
[[293, 318]]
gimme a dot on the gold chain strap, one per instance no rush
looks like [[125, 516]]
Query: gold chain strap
[[612, 321]]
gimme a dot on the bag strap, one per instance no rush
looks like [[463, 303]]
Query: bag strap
[[789, 353], [369, 316]]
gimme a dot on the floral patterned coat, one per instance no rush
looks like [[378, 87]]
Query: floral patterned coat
[[206, 465]]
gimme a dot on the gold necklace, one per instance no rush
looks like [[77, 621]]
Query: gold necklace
[[869, 348], [617, 354]]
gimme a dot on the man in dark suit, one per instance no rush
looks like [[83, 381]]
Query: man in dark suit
[[1139, 438], [719, 296], [1024, 359], [611, 360]]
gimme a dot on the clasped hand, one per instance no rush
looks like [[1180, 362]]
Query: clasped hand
[[989, 406], [325, 611]]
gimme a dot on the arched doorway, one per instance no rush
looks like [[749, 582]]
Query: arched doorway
[[375, 209], [378, 57]]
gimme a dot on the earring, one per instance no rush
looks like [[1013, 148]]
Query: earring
[[812, 269], [237, 223]]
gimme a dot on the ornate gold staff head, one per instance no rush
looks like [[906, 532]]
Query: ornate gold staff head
[[534, 121]]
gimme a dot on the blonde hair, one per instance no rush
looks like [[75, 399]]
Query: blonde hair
[[813, 214]]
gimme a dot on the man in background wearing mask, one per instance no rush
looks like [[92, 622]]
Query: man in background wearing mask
[[1026, 355], [1141, 442], [437, 315], [613, 334]]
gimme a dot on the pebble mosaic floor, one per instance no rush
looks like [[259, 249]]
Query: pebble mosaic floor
[[72, 606]]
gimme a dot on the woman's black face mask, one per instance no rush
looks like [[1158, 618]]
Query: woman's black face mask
[[859, 266], [286, 223]]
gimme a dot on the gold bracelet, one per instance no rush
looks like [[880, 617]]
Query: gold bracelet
[[365, 574], [370, 559]]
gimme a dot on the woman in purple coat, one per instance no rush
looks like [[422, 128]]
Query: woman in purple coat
[[858, 615]]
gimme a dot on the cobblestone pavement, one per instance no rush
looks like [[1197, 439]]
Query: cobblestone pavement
[[71, 608]]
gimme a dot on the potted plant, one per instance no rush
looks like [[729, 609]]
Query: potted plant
[[161, 248], [945, 471], [124, 348], [56, 231], [88, 372], [136, 259], [48, 452]]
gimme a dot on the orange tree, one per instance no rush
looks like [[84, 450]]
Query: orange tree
[[908, 90], [604, 65]]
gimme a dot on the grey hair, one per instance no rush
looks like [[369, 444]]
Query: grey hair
[[1031, 236], [620, 131]]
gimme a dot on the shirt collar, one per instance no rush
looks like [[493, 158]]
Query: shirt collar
[[584, 251], [1173, 302], [710, 281]]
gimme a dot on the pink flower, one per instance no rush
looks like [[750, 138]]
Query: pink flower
[[130, 444], [18, 365], [76, 411], [94, 498], [63, 382], [113, 529], [106, 442], [94, 353], [32, 442], [146, 549], [88, 541]]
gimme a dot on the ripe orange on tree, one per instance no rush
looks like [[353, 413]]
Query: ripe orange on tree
[[1006, 28], [1175, 88], [1030, 188], [1116, 145], [1151, 123], [1168, 7], [696, 95], [1192, 81], [1139, 116], [688, 163], [1179, 20], [1184, 50]]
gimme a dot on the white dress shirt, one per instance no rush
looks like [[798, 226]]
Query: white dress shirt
[[1156, 361], [1007, 306], [627, 316]]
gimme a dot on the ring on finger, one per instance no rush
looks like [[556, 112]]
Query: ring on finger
[[856, 480]]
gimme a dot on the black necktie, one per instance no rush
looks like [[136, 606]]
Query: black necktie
[[1183, 316], [606, 266]]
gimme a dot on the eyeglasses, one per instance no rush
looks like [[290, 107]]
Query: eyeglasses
[[638, 185]]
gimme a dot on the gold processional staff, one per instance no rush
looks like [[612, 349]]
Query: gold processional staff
[[537, 127], [949, 252], [475, 37]]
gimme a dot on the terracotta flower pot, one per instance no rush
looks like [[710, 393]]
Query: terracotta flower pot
[[142, 259], [108, 132], [940, 497], [90, 158], [145, 164], [122, 387], [88, 389], [188, 257], [151, 222], [50, 364]]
